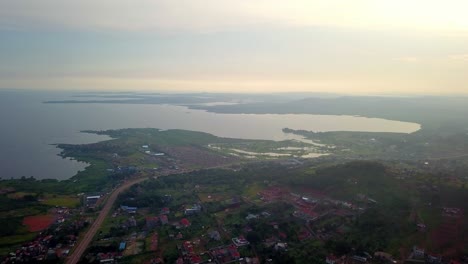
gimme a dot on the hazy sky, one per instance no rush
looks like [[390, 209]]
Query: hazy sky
[[353, 46]]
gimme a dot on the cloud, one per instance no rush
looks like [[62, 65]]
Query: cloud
[[408, 59], [221, 15], [459, 57]]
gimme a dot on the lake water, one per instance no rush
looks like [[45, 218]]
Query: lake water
[[29, 127]]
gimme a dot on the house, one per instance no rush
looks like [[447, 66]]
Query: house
[[195, 209], [306, 214], [129, 209], [418, 253], [331, 259], [233, 202], [92, 200], [240, 241], [195, 259], [185, 222], [164, 220], [152, 222], [281, 246], [233, 251], [122, 246], [359, 259], [214, 235], [434, 258], [251, 216], [225, 254], [131, 222], [383, 256], [188, 247]]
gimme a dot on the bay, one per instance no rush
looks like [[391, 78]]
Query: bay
[[29, 128]]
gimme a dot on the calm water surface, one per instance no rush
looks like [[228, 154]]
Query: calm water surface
[[29, 127]]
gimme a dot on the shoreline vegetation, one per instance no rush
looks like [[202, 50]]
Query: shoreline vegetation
[[424, 171], [148, 152]]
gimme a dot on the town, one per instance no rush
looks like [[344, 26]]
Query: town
[[164, 206]]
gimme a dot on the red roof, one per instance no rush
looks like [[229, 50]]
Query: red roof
[[185, 222], [283, 235]]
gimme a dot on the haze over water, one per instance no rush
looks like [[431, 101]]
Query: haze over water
[[30, 127]]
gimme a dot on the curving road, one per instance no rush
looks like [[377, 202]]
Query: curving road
[[88, 237]]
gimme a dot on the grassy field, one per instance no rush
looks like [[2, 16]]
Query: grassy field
[[62, 201], [8, 243], [252, 190]]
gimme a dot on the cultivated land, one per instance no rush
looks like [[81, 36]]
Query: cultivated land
[[248, 200], [84, 241]]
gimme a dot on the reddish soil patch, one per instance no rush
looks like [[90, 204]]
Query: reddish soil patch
[[38, 222], [449, 235]]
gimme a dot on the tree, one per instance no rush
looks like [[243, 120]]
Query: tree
[[253, 237]]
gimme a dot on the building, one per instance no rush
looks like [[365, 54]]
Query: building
[[214, 235], [129, 209], [122, 246], [195, 209], [92, 200], [185, 222], [152, 222], [164, 220], [240, 241]]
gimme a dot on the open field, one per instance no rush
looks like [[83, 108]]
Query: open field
[[38, 223], [61, 201]]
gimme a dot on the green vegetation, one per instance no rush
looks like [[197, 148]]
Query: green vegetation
[[352, 206], [383, 225]]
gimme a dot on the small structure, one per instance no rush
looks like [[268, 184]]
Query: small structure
[[122, 246], [331, 259], [280, 246], [152, 222], [185, 222], [195, 209], [129, 209], [92, 200], [418, 253], [214, 235], [251, 216], [384, 256], [164, 220], [240, 241]]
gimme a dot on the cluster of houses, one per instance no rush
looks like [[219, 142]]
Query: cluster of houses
[[109, 257], [378, 257], [35, 251], [417, 255], [146, 150], [306, 207], [188, 254], [50, 245], [225, 254]]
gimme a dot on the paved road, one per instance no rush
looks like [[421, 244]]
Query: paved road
[[88, 237], [84, 242]]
